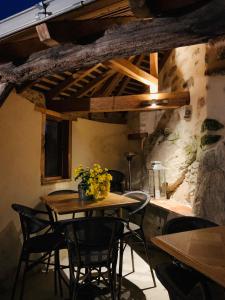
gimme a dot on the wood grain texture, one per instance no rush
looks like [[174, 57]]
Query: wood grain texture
[[70, 203], [141, 36], [173, 206], [203, 250], [121, 103]]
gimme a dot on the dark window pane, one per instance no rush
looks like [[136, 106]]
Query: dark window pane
[[56, 148], [52, 149]]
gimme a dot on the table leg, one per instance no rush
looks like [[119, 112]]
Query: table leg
[[120, 268]]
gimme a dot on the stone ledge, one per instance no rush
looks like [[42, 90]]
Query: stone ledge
[[173, 206]]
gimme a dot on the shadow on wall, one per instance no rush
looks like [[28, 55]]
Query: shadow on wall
[[9, 253]]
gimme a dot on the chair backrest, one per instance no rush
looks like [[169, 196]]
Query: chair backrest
[[142, 197], [139, 209], [59, 192], [93, 241], [182, 224], [53, 217], [118, 181], [30, 223]]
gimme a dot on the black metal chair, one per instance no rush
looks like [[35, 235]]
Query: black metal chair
[[182, 282], [118, 182], [182, 224], [38, 238], [134, 232], [53, 216], [93, 245]]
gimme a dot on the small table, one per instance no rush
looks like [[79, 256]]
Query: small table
[[202, 249], [70, 203]]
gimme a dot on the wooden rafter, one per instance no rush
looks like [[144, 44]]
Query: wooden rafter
[[44, 35], [127, 68], [127, 79], [93, 84], [70, 81], [153, 62], [107, 90], [54, 92], [122, 103]]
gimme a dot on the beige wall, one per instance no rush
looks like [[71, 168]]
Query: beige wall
[[20, 150]]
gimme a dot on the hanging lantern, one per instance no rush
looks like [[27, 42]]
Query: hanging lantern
[[157, 180]]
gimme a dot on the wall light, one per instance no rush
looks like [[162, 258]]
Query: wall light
[[154, 103]]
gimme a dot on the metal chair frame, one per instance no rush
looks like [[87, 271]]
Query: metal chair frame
[[77, 263], [32, 225], [139, 233]]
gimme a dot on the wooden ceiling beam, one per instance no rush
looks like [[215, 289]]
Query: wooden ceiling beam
[[106, 91], [122, 103], [127, 68], [134, 38], [52, 113], [93, 84], [149, 8], [44, 35], [126, 80], [153, 62]]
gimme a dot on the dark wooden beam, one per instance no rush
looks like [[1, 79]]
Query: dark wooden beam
[[150, 8], [121, 103], [5, 89], [142, 36]]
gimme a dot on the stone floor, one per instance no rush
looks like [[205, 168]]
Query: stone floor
[[39, 286]]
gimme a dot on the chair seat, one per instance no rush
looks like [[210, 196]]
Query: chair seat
[[132, 227], [179, 280], [45, 243]]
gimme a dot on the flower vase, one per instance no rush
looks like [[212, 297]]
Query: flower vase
[[82, 188]]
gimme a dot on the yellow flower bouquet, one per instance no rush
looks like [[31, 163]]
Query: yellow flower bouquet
[[95, 182]]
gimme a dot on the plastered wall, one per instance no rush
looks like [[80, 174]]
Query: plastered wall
[[20, 152]]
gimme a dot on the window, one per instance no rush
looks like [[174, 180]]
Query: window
[[56, 150]]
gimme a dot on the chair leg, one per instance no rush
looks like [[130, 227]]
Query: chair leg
[[55, 274], [111, 284], [48, 263], [132, 259], [73, 215], [148, 261], [58, 273], [120, 268], [24, 277], [75, 285], [16, 277]]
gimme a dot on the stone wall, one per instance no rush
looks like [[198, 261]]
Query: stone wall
[[186, 139]]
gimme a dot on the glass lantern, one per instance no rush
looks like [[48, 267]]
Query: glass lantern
[[157, 180]]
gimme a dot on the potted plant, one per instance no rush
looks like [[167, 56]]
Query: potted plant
[[95, 182]]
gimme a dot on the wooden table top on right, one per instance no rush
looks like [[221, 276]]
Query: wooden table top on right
[[202, 249]]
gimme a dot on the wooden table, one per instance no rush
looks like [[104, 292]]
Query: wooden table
[[203, 250], [172, 206], [70, 203]]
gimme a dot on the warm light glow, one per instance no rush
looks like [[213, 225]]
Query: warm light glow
[[153, 88], [153, 104]]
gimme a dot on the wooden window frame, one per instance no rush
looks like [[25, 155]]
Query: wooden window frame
[[51, 180]]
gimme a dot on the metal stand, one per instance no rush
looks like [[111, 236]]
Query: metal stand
[[129, 156]]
